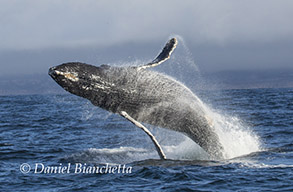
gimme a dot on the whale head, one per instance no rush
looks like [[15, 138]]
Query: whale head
[[82, 79]]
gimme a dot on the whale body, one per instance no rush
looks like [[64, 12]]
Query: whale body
[[146, 95]]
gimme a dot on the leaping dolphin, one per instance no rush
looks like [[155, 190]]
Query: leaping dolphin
[[145, 95]]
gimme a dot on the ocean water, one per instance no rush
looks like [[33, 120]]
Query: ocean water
[[64, 143]]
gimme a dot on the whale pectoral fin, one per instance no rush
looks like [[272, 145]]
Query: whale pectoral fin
[[163, 56], [136, 123]]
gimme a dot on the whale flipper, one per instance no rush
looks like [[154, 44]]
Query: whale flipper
[[136, 123], [163, 56]]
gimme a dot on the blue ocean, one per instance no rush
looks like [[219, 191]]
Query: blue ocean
[[64, 143]]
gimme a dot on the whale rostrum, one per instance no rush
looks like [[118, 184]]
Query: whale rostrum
[[144, 96]]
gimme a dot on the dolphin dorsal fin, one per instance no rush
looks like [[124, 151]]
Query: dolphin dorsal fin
[[163, 56]]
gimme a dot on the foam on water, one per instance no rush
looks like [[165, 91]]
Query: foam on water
[[264, 166]]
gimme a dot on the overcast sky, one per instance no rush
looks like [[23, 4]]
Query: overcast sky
[[31, 26]]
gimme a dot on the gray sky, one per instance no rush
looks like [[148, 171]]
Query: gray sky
[[254, 31]]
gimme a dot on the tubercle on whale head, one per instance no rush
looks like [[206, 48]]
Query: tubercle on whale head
[[80, 78]]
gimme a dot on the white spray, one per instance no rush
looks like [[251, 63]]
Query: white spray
[[236, 138]]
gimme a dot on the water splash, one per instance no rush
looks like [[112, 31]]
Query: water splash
[[186, 54], [236, 138], [181, 65], [186, 150]]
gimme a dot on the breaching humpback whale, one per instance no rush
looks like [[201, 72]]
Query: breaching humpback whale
[[143, 95]]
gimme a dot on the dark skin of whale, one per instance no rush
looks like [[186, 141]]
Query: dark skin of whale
[[146, 95]]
